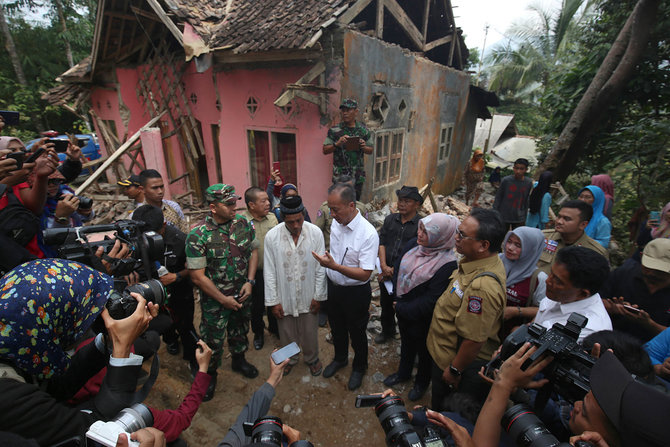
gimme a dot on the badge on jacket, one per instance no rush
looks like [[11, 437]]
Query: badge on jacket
[[550, 245], [475, 305]]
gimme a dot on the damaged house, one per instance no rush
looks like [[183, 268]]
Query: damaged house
[[231, 86]]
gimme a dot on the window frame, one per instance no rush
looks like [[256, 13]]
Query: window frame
[[390, 158], [444, 146]]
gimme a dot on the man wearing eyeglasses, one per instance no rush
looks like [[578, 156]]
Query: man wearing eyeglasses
[[464, 331]]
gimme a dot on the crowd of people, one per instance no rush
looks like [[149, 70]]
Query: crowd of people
[[452, 289]]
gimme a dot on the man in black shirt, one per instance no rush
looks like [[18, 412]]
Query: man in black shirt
[[397, 230]]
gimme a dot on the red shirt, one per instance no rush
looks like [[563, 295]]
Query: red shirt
[[32, 246], [519, 293]]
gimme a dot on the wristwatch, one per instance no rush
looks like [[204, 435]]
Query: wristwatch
[[454, 371], [252, 282]]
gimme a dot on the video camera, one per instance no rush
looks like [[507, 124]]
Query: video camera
[[570, 370], [393, 418], [269, 430], [145, 246], [129, 420]]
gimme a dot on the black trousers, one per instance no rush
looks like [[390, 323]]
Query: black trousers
[[348, 314], [388, 314], [470, 384], [181, 311], [258, 308], [413, 336]]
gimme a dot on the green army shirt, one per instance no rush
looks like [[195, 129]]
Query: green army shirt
[[223, 250], [349, 162]]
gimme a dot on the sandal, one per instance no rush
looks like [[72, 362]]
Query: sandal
[[316, 368], [287, 369]]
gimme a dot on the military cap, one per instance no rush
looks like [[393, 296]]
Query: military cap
[[133, 180], [221, 192], [349, 103]]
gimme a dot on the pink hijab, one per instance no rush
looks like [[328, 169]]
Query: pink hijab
[[4, 142], [663, 229], [420, 263]]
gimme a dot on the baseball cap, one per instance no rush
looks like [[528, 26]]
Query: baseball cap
[[291, 205], [349, 103], [410, 192], [221, 192], [656, 255], [133, 180], [637, 410]]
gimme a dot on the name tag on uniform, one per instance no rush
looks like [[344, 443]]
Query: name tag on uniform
[[550, 245], [456, 288]]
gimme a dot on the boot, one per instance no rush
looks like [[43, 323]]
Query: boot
[[240, 365], [210, 389]]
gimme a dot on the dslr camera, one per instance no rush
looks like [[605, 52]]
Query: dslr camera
[[527, 430], [393, 418], [129, 420], [74, 244], [122, 305], [269, 430], [570, 370]]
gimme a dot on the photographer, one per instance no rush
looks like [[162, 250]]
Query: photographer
[[47, 306]]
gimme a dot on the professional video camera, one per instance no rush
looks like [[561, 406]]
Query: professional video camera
[[269, 430], [77, 244], [570, 370], [393, 418], [527, 430], [129, 420], [122, 305]]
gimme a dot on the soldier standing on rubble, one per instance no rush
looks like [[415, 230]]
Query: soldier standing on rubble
[[222, 255], [349, 141]]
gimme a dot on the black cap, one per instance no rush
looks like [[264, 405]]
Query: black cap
[[291, 205], [133, 180], [410, 192], [637, 410]]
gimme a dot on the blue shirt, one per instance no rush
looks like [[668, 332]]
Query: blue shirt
[[658, 347]]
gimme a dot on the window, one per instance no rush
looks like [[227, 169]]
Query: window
[[252, 106], [388, 156], [444, 148], [266, 148]]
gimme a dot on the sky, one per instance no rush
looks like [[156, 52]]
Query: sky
[[472, 16]]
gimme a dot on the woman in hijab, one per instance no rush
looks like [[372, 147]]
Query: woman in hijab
[[539, 202], [45, 307], [526, 287], [422, 275], [661, 228], [604, 182], [599, 227], [288, 190], [474, 175]]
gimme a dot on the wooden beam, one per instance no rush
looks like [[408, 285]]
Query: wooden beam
[[379, 23], [405, 22], [313, 72], [307, 97], [166, 21], [355, 9], [117, 154], [230, 57], [437, 42], [426, 15], [144, 13]]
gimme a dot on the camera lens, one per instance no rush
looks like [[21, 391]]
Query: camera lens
[[526, 429], [393, 417], [152, 291], [134, 418], [268, 430]]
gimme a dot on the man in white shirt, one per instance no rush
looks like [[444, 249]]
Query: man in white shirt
[[576, 276], [295, 283], [349, 264]]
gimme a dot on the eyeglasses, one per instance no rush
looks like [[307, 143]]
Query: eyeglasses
[[459, 234]]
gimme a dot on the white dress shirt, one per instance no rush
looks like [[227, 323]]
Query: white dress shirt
[[551, 312], [353, 245], [292, 276]]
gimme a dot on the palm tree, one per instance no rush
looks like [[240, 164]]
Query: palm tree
[[521, 67]]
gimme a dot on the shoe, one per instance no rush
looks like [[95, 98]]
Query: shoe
[[172, 348], [243, 367], [395, 379], [209, 394], [259, 341], [329, 337], [380, 339], [355, 380], [333, 367], [323, 319], [417, 392], [316, 368]]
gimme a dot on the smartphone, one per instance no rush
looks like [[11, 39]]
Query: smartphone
[[237, 297], [632, 309], [655, 215], [60, 146], [287, 351], [35, 155], [275, 166], [196, 339], [367, 400], [19, 157], [10, 117]]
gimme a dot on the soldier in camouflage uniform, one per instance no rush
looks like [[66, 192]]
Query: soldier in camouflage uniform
[[349, 141], [222, 256]]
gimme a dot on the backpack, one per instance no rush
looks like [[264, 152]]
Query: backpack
[[16, 221]]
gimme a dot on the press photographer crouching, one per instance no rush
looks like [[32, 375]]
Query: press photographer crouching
[[46, 306], [261, 429]]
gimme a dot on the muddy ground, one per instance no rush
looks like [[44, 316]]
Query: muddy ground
[[322, 409]]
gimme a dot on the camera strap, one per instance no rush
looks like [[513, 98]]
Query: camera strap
[[143, 392]]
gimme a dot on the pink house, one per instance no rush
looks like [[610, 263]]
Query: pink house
[[247, 83]]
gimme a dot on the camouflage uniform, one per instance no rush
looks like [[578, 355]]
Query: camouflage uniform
[[224, 251], [349, 162]]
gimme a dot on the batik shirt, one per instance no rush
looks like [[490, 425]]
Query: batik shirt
[[348, 162]]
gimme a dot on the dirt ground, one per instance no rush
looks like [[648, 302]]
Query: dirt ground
[[321, 409]]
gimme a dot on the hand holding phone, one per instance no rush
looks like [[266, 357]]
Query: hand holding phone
[[632, 309], [287, 351], [35, 155], [19, 157], [275, 166]]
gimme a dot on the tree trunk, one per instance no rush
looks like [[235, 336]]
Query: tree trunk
[[61, 19], [11, 49], [614, 73]]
